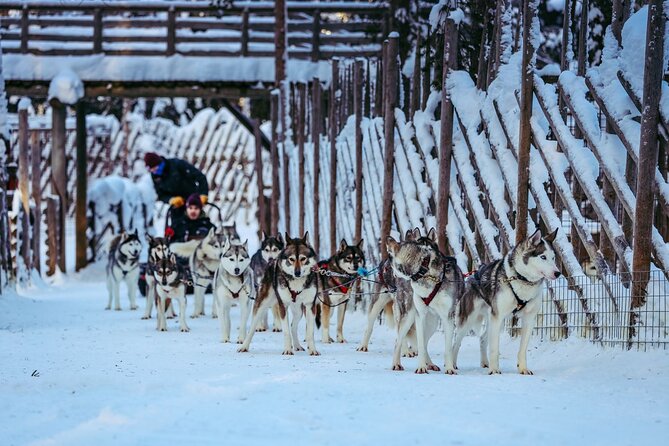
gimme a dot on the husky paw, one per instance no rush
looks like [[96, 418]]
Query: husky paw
[[171, 317], [287, 352], [341, 340], [146, 317], [525, 372], [314, 353], [117, 309], [484, 365], [433, 367], [260, 329], [108, 307], [240, 340], [214, 316], [494, 372], [363, 348], [194, 316], [451, 372], [397, 367], [276, 330], [226, 340], [134, 307], [185, 329], [242, 350], [421, 370], [163, 329], [299, 348], [327, 341]]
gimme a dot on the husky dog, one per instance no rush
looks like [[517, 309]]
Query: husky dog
[[123, 266], [203, 259], [170, 285], [233, 282], [158, 250], [291, 282], [337, 290], [229, 230], [437, 285], [512, 285], [270, 247]]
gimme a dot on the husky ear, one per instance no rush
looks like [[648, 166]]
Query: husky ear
[[416, 233], [173, 258], [408, 236], [149, 239], [550, 238], [432, 235], [124, 236], [343, 245], [264, 236], [305, 238], [288, 239], [136, 234], [226, 245], [535, 238], [211, 232], [391, 245], [360, 243], [279, 238], [246, 244]]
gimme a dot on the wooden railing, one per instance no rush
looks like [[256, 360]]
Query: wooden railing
[[152, 28]]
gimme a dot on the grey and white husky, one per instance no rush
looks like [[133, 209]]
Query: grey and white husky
[[170, 285], [123, 266], [509, 286], [203, 259], [437, 284], [158, 250], [233, 282], [291, 282], [270, 247], [336, 290]]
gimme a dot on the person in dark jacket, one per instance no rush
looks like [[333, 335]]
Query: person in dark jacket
[[175, 179], [191, 224]]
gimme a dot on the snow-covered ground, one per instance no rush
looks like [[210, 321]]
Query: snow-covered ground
[[74, 374]]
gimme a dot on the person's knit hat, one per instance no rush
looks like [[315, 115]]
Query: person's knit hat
[[152, 159], [194, 200]]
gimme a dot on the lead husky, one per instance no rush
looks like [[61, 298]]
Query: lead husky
[[512, 285], [170, 286], [203, 259], [437, 285], [233, 282], [337, 290], [291, 282], [123, 266], [270, 247], [158, 250]]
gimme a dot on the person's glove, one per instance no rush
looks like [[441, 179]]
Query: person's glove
[[169, 232], [176, 202], [204, 199]]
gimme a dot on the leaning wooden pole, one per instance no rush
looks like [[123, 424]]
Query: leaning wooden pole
[[527, 73], [59, 175], [81, 222], [276, 187], [24, 186], [316, 143], [334, 112], [357, 100], [446, 133], [390, 103], [648, 150], [262, 213], [36, 169]]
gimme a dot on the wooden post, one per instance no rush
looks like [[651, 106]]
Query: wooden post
[[427, 72], [618, 19], [171, 31], [583, 39], [334, 106], [564, 59], [262, 212], [59, 173], [24, 186], [82, 186], [245, 33], [415, 81], [52, 234], [280, 42], [301, 112], [286, 183], [315, 140], [316, 36], [446, 136], [378, 87], [25, 30], [482, 72], [357, 99], [368, 93], [274, 116], [495, 56], [527, 73], [390, 97], [36, 159], [97, 30], [652, 85]]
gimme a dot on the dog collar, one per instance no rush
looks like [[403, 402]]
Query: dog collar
[[422, 270]]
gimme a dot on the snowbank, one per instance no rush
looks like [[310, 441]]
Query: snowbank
[[66, 86]]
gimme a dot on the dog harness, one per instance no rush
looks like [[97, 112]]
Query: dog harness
[[427, 300], [235, 295], [337, 284], [422, 270], [520, 303]]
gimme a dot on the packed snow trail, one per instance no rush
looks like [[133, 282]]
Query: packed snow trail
[[107, 377]]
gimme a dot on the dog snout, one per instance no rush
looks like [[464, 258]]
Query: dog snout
[[236, 270], [298, 273], [556, 274]]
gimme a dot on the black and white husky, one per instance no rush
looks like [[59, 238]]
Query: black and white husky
[[291, 282], [203, 258], [123, 266], [270, 247], [336, 290], [233, 282], [158, 250], [512, 285], [437, 284], [170, 285]]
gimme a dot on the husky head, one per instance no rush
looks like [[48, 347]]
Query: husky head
[[129, 245], [270, 247], [350, 257], [407, 257], [235, 257], [230, 231], [534, 258], [166, 270], [413, 235], [212, 244], [158, 247], [298, 257]]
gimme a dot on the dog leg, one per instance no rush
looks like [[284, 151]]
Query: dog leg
[[223, 308], [296, 314], [287, 341], [264, 321], [421, 315], [244, 304], [311, 322], [150, 294], [171, 314], [411, 341], [483, 345], [182, 312], [402, 330], [214, 309], [371, 319], [460, 333], [198, 305], [494, 330], [259, 307], [116, 290], [325, 321], [528, 321], [276, 322], [341, 313], [449, 326], [109, 291], [131, 283], [162, 324]]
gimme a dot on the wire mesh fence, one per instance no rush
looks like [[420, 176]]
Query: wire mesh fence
[[599, 310]]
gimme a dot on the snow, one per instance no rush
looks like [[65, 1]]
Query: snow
[[78, 375], [24, 103], [438, 14], [66, 86]]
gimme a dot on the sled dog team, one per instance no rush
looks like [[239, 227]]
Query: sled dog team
[[418, 284]]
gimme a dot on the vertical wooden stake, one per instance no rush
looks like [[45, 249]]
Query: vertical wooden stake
[[262, 212], [390, 97], [315, 140], [415, 81], [334, 107], [24, 186], [59, 174], [427, 73], [171, 31], [82, 186], [276, 187], [357, 99], [301, 115], [37, 198]]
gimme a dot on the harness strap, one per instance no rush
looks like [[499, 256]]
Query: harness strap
[[520, 303], [424, 268], [428, 300]]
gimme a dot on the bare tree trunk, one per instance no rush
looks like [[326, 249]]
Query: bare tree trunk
[[357, 99], [82, 187], [316, 143], [59, 174], [390, 96]]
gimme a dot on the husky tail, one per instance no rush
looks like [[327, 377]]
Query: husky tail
[[318, 316], [184, 249]]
